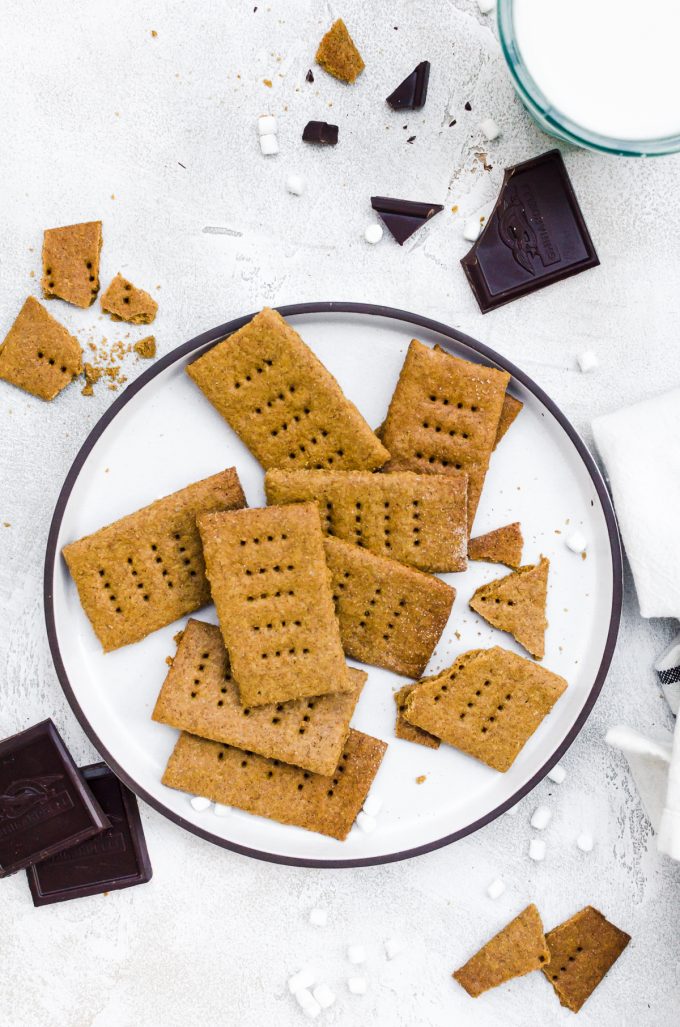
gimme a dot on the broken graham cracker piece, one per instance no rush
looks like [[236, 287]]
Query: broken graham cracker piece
[[38, 355], [418, 519], [443, 417], [487, 704], [582, 950], [271, 587], [146, 347], [338, 55], [146, 570], [199, 695], [516, 604], [518, 949], [503, 545], [390, 615], [511, 409], [409, 732], [270, 788], [280, 399], [70, 259], [125, 302]]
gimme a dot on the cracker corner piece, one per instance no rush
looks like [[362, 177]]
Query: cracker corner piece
[[280, 399], [512, 408], [409, 732], [38, 354], [337, 54], [582, 950], [516, 603], [503, 545], [70, 260], [269, 788], [515, 951], [125, 302]]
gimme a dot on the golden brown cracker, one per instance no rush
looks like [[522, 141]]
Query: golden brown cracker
[[280, 399], [417, 519], [70, 260], [270, 788], [516, 950], [390, 615], [503, 545], [199, 695], [146, 347], [125, 302], [516, 604], [512, 408], [146, 570], [487, 704], [409, 732], [582, 950], [38, 354], [338, 55], [271, 587]]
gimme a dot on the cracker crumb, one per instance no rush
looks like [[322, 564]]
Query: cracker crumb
[[421, 779], [169, 660], [267, 82], [6, 524], [154, 34], [146, 347]]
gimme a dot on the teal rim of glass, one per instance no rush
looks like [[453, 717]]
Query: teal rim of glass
[[558, 124]]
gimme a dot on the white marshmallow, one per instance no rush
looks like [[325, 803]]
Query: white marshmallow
[[266, 125], [373, 234], [587, 361], [496, 889], [310, 1007], [537, 849], [486, 6], [304, 978], [557, 774], [357, 985], [269, 145], [393, 947], [472, 229], [200, 803], [365, 823], [489, 129], [585, 842], [295, 184], [324, 996], [222, 811], [356, 954], [373, 805], [318, 917], [541, 818], [577, 542]]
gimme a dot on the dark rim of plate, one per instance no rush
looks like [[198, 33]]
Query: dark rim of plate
[[477, 349]]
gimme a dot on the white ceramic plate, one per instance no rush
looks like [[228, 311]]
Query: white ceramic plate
[[162, 434]]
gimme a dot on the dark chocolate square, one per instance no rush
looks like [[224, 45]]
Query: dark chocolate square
[[320, 132], [45, 806], [117, 858]]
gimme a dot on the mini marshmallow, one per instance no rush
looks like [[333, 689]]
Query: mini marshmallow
[[557, 774], [269, 145], [373, 234], [393, 947], [266, 125], [495, 889], [295, 184], [309, 1005], [585, 842], [537, 849], [324, 996], [577, 542], [365, 823], [489, 129], [318, 917], [356, 954], [222, 811], [541, 818], [357, 985], [373, 805], [587, 361], [200, 803], [486, 6], [472, 229], [303, 979]]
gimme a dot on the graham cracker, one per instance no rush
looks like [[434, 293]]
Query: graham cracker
[[487, 704], [125, 302], [503, 545], [582, 950], [146, 570], [271, 587], [409, 732], [146, 347], [338, 55], [199, 695], [70, 260], [390, 615], [511, 409], [284, 404], [516, 604], [418, 519], [443, 417], [270, 788], [516, 950], [38, 354]]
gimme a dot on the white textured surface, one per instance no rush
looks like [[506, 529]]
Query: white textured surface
[[95, 106]]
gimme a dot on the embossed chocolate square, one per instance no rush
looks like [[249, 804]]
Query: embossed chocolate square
[[117, 858], [45, 806], [536, 235]]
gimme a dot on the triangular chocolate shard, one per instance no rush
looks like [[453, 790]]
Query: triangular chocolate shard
[[412, 93], [403, 217], [516, 604]]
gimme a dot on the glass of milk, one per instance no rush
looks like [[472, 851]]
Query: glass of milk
[[604, 74]]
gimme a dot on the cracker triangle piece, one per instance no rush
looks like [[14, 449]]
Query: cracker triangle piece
[[516, 950], [409, 732], [125, 302], [338, 55], [503, 545], [511, 409], [38, 354], [487, 704], [582, 950], [516, 604], [70, 259]]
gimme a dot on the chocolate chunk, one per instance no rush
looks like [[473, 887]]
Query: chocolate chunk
[[535, 235], [412, 93], [45, 806], [115, 859], [468, 106], [320, 132], [310, 75], [403, 217]]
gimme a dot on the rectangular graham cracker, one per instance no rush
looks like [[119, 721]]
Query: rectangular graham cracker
[[444, 416], [516, 950], [38, 354], [409, 732], [271, 587], [418, 519], [70, 260], [269, 788], [582, 950], [146, 570], [487, 704], [284, 404], [125, 302], [390, 615], [199, 695]]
